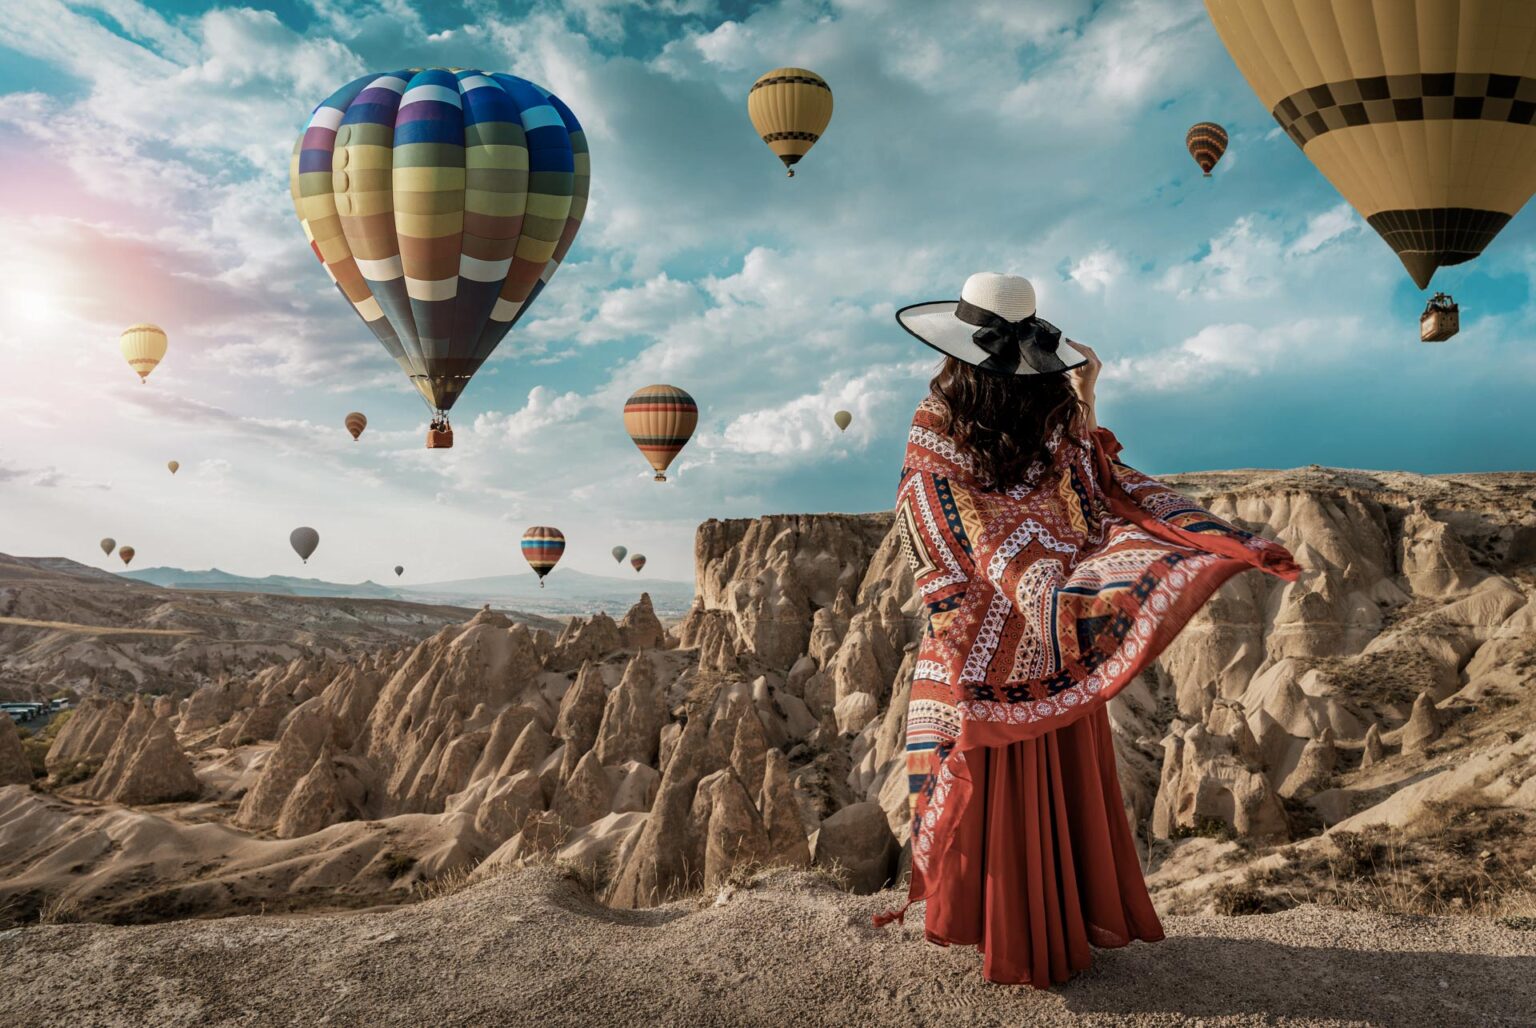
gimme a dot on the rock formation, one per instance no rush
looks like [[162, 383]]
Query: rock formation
[[14, 769]]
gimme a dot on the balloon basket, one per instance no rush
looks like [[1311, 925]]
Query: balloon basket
[[1441, 319], [659, 477], [440, 439]]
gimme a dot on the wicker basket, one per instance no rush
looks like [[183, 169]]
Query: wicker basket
[[440, 439], [1440, 321]]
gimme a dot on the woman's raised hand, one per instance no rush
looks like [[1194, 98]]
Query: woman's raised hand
[[1084, 377]]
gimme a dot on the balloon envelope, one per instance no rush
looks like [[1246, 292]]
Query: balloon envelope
[[440, 202], [126, 553], [356, 422], [143, 347], [304, 540], [174, 466], [660, 420], [1206, 142], [1418, 111], [843, 419], [790, 108], [399, 570], [108, 545], [618, 553], [542, 548], [637, 561]]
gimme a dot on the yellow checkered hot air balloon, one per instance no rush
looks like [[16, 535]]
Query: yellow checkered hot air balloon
[[790, 108], [660, 420], [1422, 113], [143, 347]]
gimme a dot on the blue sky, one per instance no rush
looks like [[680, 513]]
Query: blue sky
[[1249, 320]]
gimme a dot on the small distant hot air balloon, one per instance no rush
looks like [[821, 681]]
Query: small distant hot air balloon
[[126, 552], [143, 346], [637, 562], [108, 545], [790, 108], [1206, 142], [304, 540], [173, 465], [356, 422], [542, 547], [618, 553], [660, 419], [441, 201], [843, 419], [399, 570]]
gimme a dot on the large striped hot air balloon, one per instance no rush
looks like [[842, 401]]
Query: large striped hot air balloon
[[542, 547], [1206, 142], [790, 108], [143, 347], [440, 202], [355, 423], [126, 552], [660, 419], [1422, 113]]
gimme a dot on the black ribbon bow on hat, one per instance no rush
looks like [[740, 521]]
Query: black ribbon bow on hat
[[1032, 340]]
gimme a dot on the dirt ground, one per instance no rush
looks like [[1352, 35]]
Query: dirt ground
[[531, 947]]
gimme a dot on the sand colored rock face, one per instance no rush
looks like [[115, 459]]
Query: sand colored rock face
[[14, 769]]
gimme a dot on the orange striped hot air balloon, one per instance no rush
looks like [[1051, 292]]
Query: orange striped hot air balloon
[[356, 422], [125, 552], [660, 419], [143, 347], [1206, 142], [542, 549]]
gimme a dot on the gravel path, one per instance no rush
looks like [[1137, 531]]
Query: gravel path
[[530, 948]]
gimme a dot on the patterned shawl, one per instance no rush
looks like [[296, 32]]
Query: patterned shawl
[[1043, 601]]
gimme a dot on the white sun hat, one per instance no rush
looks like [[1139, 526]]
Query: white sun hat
[[993, 326]]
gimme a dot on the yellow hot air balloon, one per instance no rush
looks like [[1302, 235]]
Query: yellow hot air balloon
[[843, 420], [790, 108], [143, 347], [1422, 113], [174, 465]]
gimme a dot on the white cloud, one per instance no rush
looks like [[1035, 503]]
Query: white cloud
[[1324, 228], [1097, 271]]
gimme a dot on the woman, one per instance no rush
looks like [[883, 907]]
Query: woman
[[1053, 574]]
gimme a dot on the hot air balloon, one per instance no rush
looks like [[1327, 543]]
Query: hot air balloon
[[173, 465], [542, 547], [399, 570], [1420, 112], [108, 545], [618, 553], [304, 540], [790, 108], [440, 203], [1206, 142], [660, 419], [637, 562], [843, 419], [143, 347], [126, 552], [356, 422]]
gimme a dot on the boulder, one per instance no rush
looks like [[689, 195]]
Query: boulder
[[857, 842]]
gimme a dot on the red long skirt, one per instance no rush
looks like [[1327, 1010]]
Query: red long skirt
[[1043, 864]]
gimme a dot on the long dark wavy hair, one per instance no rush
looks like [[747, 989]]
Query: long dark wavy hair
[[1004, 421]]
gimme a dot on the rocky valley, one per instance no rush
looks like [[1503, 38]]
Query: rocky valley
[[1363, 738]]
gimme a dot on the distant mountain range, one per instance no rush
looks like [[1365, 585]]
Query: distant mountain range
[[566, 592]]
